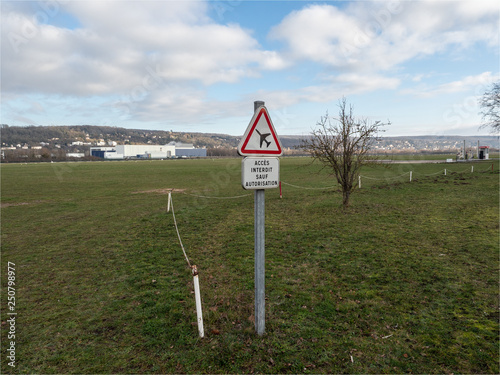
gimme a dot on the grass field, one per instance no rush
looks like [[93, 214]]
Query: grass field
[[404, 281], [430, 156]]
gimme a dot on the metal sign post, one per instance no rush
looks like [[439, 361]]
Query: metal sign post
[[260, 261], [260, 253], [259, 171]]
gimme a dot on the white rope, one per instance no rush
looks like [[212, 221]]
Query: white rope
[[177, 230], [384, 179], [212, 197], [308, 188], [433, 174], [487, 170], [312, 188], [465, 170]]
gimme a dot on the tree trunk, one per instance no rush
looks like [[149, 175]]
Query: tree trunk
[[345, 198]]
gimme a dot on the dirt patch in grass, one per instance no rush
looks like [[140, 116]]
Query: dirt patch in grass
[[159, 191], [4, 205]]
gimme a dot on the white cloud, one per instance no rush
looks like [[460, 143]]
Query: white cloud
[[378, 36], [147, 61], [331, 89], [478, 83], [358, 83], [117, 43], [316, 33], [136, 19]]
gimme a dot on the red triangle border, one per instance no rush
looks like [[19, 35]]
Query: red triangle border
[[250, 133]]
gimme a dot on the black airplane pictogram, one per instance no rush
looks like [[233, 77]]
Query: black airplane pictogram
[[263, 138]]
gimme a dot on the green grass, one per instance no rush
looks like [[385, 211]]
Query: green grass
[[429, 156], [405, 281], [420, 156]]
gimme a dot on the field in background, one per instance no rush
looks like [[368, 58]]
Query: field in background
[[431, 156], [405, 281]]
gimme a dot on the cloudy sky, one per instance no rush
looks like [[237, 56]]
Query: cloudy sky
[[199, 65]]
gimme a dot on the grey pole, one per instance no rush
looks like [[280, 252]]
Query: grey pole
[[260, 251], [257, 104]]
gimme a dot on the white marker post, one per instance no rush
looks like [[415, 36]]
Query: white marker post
[[260, 171], [196, 281], [197, 298]]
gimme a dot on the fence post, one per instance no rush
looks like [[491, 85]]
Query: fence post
[[359, 179], [411, 173], [197, 297]]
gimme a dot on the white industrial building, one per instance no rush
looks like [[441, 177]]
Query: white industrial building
[[171, 150]]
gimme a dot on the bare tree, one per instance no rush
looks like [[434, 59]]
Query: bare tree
[[342, 145], [490, 105]]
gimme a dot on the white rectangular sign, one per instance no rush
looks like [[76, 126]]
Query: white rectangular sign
[[260, 173]]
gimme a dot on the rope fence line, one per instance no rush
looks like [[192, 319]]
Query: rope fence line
[[214, 197], [427, 175], [464, 171], [433, 174], [171, 205], [387, 178], [308, 188], [411, 173]]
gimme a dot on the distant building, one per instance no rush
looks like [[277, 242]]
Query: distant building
[[484, 152], [188, 150], [75, 155], [191, 152], [104, 152], [120, 152]]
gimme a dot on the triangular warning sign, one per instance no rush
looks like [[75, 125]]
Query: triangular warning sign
[[260, 138]]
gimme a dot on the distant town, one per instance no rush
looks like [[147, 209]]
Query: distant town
[[57, 143]]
